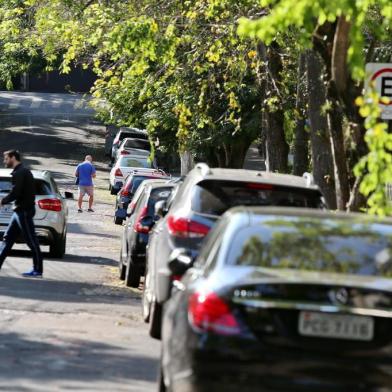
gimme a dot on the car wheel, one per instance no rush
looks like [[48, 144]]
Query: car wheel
[[113, 191], [155, 322], [57, 248], [133, 275], [161, 380], [117, 220], [121, 267]]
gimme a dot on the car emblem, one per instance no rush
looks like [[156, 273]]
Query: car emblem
[[339, 296]]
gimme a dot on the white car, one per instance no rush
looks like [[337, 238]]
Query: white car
[[124, 133], [124, 166], [51, 215], [134, 147]]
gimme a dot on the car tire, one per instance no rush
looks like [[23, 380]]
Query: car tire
[[58, 247], [133, 275], [113, 191], [122, 269], [118, 221], [161, 382], [155, 322]]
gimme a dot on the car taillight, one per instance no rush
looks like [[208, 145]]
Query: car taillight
[[124, 152], [118, 173], [50, 204], [259, 186], [209, 313], [186, 228], [138, 227], [124, 191]]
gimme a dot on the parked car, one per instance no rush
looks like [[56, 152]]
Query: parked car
[[51, 215], [134, 147], [124, 133], [204, 196], [123, 167], [137, 228], [282, 300], [128, 190]]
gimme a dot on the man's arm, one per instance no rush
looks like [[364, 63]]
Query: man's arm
[[94, 173], [16, 191]]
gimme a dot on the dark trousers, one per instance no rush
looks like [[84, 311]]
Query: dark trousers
[[22, 224]]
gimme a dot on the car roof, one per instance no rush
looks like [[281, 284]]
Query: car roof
[[37, 174], [131, 129], [257, 213], [207, 173]]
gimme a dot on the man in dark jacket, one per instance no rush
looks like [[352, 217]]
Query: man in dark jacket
[[23, 195]]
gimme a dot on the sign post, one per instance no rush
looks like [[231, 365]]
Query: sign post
[[379, 76]]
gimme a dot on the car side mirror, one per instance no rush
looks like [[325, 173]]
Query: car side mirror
[[68, 195], [160, 208], [180, 261]]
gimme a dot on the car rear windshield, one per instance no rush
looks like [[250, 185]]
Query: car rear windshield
[[315, 245], [42, 188], [134, 182], [126, 134], [215, 197], [157, 195], [135, 162], [139, 144]]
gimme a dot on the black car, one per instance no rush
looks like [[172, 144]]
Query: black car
[[137, 228], [282, 300], [129, 189], [200, 201]]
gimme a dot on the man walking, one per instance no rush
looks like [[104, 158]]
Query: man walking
[[85, 172], [23, 194]]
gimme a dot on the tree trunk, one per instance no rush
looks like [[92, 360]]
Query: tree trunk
[[187, 162], [277, 149], [335, 125], [322, 162], [301, 136]]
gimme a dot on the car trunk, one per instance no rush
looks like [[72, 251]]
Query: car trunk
[[42, 190], [316, 316]]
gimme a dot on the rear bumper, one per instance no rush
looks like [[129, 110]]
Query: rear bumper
[[46, 235], [284, 372]]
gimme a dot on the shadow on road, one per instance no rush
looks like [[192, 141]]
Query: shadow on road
[[65, 359], [63, 291]]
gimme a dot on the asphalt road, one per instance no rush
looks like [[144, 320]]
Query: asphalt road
[[77, 329]]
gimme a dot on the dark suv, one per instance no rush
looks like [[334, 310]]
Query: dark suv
[[131, 185], [203, 197], [137, 228]]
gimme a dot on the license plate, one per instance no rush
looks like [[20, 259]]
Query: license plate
[[336, 326], [5, 209]]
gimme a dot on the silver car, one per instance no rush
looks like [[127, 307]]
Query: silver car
[[51, 215]]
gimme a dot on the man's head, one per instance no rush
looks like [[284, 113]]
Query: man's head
[[11, 159], [89, 158]]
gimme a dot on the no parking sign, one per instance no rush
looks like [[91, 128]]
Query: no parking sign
[[380, 77]]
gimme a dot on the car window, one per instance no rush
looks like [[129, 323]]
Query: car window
[[133, 134], [139, 144], [135, 162], [42, 188], [314, 245], [156, 195], [215, 197]]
